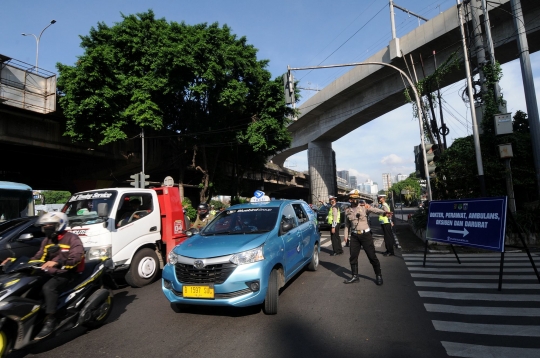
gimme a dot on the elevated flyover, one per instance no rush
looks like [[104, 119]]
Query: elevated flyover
[[368, 92]]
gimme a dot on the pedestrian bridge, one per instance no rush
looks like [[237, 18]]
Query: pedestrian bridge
[[368, 92]]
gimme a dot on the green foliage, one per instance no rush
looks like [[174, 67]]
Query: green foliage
[[191, 213], [410, 184], [54, 197], [420, 219], [493, 74], [217, 204], [200, 83], [521, 122], [239, 200]]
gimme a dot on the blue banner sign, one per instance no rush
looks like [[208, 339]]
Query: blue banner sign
[[478, 222]]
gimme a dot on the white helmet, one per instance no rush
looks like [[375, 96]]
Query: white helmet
[[57, 218], [354, 194]]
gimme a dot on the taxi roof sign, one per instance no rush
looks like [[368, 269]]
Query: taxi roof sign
[[259, 196]]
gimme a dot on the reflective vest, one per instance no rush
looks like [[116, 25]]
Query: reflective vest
[[331, 215], [383, 219]]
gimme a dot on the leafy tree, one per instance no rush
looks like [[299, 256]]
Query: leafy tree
[[458, 174], [200, 85], [410, 184], [55, 197]]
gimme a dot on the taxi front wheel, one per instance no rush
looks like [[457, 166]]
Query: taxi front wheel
[[272, 294]]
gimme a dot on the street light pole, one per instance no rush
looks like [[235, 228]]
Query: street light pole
[[416, 95], [37, 42]]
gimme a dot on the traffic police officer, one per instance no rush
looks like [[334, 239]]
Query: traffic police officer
[[333, 219], [386, 226], [356, 222]]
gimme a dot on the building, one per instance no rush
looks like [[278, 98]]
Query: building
[[343, 174], [386, 181], [368, 187], [401, 177], [352, 183]]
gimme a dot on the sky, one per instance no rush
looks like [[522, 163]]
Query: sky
[[297, 33]]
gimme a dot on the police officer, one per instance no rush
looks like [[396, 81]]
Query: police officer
[[203, 216], [386, 226], [333, 220], [212, 210], [356, 223]]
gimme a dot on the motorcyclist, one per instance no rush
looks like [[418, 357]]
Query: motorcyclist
[[203, 216], [63, 253]]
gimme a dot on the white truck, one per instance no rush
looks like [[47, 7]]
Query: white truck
[[135, 227]]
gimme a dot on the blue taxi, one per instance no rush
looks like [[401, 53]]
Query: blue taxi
[[244, 256]]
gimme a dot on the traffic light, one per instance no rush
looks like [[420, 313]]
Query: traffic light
[[288, 87], [432, 155], [139, 180], [136, 180]]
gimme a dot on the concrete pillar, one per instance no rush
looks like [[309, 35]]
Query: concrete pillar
[[322, 171]]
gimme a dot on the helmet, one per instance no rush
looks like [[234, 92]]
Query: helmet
[[58, 219], [354, 194], [202, 207]]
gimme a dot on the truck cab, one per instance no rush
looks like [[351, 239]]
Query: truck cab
[[135, 227]]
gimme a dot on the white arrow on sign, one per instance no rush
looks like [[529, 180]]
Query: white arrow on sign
[[464, 232]]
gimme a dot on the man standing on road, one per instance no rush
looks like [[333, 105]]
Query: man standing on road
[[356, 217], [333, 220], [386, 226]]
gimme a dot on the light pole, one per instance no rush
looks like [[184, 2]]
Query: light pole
[[37, 41], [416, 95]]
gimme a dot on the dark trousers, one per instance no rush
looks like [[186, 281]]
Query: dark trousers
[[366, 241], [388, 237], [52, 288], [336, 241]]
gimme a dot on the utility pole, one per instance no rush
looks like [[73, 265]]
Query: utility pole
[[528, 84], [476, 137]]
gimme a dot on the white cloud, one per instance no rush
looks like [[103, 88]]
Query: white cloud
[[391, 160]]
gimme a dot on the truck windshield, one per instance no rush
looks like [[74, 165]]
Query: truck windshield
[[82, 208], [243, 221]]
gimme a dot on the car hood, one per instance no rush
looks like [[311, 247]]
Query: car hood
[[200, 247]]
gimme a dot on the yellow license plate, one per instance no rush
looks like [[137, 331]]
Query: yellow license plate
[[198, 292]]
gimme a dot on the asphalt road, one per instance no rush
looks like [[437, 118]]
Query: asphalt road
[[318, 316]]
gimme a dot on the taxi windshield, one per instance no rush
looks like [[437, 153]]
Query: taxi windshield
[[82, 208], [242, 221]]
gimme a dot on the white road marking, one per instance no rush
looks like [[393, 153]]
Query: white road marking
[[481, 296], [491, 329], [494, 286], [467, 269], [483, 311], [474, 277], [475, 351], [469, 264]]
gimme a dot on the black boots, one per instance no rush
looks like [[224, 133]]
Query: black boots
[[48, 327], [354, 278], [378, 280]]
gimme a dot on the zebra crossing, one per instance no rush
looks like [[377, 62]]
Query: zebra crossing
[[472, 318]]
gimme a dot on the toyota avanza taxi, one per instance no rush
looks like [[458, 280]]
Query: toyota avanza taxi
[[244, 256]]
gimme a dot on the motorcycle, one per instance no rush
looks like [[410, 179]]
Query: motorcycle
[[85, 302]]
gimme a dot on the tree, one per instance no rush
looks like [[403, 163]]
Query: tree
[[410, 184], [200, 85], [55, 197]]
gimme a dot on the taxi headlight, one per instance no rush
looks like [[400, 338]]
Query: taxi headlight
[[248, 257], [99, 252], [173, 258]]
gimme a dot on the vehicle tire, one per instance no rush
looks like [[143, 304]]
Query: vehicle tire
[[143, 269], [104, 311], [272, 294], [314, 263], [5, 342]]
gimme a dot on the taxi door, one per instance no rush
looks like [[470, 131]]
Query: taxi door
[[292, 240]]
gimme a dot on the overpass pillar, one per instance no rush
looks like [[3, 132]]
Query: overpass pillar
[[322, 171]]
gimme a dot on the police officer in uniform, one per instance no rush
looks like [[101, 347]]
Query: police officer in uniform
[[333, 220], [203, 216], [386, 226], [356, 223]]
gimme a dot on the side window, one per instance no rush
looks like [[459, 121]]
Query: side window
[[308, 209], [133, 207], [301, 216], [289, 216]]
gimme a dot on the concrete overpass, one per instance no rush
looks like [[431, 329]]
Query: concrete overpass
[[368, 92]]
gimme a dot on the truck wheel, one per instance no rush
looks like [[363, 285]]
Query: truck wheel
[[272, 294], [143, 269], [314, 263]]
